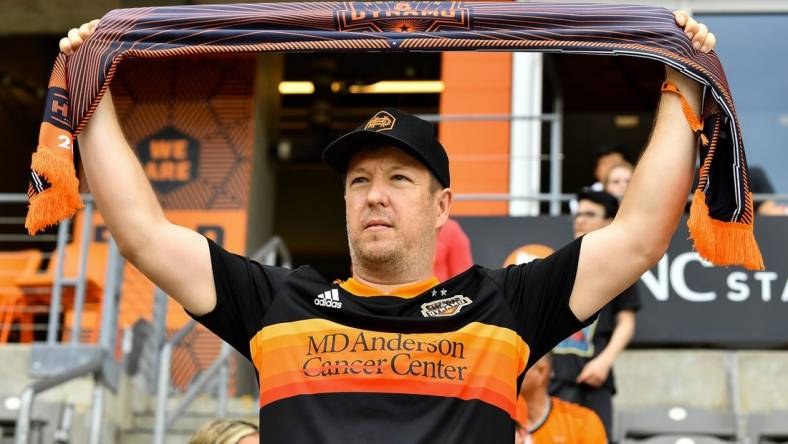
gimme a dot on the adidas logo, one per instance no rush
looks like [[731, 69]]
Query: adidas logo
[[328, 298]]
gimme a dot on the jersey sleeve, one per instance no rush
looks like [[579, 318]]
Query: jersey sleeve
[[538, 293], [245, 289], [629, 299], [593, 430]]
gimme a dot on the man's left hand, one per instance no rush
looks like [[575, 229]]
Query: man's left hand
[[702, 40], [594, 373]]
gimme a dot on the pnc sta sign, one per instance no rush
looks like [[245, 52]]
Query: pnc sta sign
[[739, 286], [686, 300]]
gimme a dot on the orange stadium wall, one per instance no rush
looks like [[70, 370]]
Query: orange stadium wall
[[477, 83], [189, 121]]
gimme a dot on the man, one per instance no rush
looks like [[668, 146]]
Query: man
[[551, 420], [583, 362], [391, 355]]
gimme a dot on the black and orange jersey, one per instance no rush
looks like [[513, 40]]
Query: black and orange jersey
[[435, 362], [568, 423]]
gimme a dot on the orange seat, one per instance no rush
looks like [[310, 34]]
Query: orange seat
[[13, 265], [37, 288]]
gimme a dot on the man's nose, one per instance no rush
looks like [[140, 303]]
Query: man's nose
[[377, 194]]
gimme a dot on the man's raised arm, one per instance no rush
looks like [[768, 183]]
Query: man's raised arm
[[173, 257], [614, 257]]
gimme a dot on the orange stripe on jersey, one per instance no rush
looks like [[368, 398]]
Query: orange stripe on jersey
[[356, 385], [479, 361], [521, 414], [408, 291]]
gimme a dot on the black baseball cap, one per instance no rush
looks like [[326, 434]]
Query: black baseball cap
[[607, 200], [391, 126]]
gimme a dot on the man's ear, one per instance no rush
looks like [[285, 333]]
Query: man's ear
[[444, 198]]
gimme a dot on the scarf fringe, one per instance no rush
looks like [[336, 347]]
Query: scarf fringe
[[722, 243], [60, 201]]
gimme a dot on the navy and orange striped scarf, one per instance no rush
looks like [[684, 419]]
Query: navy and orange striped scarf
[[721, 219]]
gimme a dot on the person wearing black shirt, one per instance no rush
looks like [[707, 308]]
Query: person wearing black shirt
[[391, 355]]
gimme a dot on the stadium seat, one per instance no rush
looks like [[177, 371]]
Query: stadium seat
[[679, 439], [13, 265], [676, 420], [767, 428], [37, 288]]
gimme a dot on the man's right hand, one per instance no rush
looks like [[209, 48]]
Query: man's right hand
[[76, 36]]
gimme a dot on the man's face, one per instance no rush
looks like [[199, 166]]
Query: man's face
[[590, 216], [391, 210], [605, 162], [537, 378], [618, 180]]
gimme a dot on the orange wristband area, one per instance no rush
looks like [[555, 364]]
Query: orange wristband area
[[694, 122]]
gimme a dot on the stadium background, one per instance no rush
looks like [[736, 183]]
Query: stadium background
[[232, 147]]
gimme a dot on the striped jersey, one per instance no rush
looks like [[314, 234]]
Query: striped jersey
[[432, 362]]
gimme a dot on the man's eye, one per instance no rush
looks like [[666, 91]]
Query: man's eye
[[399, 177], [358, 180]]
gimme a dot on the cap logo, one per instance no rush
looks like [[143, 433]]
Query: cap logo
[[382, 121]]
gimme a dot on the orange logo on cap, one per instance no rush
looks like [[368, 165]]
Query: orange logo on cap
[[382, 121]]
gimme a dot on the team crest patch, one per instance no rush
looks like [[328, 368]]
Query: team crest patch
[[402, 16], [382, 121], [444, 307]]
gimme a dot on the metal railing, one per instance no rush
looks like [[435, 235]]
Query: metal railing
[[272, 252], [268, 253], [555, 158], [22, 434], [62, 363], [60, 282], [218, 370]]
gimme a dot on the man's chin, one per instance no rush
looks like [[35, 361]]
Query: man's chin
[[377, 252]]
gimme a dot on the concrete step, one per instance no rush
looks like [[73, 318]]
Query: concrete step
[[187, 423], [201, 411], [146, 436]]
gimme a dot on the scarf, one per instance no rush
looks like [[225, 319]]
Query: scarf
[[721, 216]]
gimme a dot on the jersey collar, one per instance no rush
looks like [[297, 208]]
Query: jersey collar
[[408, 291], [545, 415]]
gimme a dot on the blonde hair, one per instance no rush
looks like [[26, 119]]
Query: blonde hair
[[223, 431], [618, 165]]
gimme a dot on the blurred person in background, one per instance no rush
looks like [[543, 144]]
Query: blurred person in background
[[606, 158], [452, 251], [551, 420], [617, 179], [226, 431], [760, 184], [583, 362]]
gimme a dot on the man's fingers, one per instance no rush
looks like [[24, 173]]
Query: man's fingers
[[74, 38], [700, 36], [710, 43], [94, 24], [65, 46], [681, 17], [85, 31], [691, 27]]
